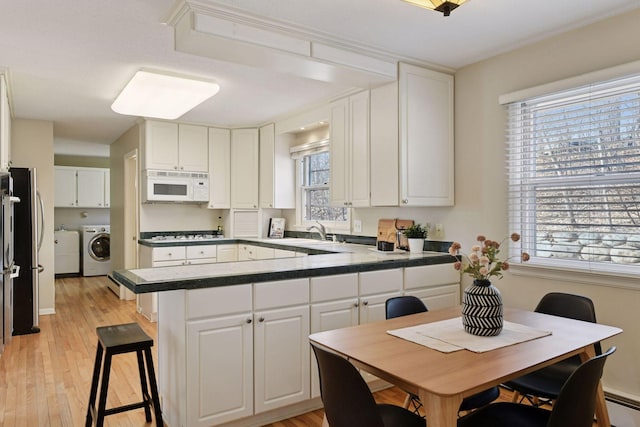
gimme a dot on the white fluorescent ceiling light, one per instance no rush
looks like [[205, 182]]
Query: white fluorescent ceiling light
[[162, 96]]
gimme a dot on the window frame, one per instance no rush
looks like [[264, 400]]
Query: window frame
[[522, 189], [343, 226]]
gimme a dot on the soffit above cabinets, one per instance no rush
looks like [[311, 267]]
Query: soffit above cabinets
[[207, 29]]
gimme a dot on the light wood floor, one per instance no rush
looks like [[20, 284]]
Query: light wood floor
[[45, 378]]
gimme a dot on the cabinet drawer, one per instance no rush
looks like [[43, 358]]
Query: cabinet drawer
[[169, 254], [194, 261], [205, 251], [430, 275], [217, 301], [281, 293], [329, 288], [377, 282], [169, 263]]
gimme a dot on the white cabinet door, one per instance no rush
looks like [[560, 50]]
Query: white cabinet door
[[359, 149], [90, 188], [372, 307], [349, 142], [193, 148], [437, 297], [325, 317], [219, 168], [5, 126], [244, 168], [227, 253], [339, 153], [281, 347], [384, 146], [426, 137], [219, 370], [107, 188], [277, 171], [161, 145], [65, 187], [267, 166]]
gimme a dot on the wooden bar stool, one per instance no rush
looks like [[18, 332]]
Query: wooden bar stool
[[118, 339]]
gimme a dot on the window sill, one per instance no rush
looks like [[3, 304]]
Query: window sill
[[562, 273]]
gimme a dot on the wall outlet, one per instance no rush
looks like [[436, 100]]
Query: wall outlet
[[438, 231], [357, 226]]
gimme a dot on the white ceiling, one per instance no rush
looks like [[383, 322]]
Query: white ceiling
[[67, 59]]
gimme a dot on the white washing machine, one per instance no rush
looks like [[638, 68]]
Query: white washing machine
[[96, 253]]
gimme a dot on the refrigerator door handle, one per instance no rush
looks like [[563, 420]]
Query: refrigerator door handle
[[40, 268], [41, 229]]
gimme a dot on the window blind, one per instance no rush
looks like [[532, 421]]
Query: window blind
[[574, 175]]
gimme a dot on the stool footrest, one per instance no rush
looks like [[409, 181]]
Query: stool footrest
[[125, 408]]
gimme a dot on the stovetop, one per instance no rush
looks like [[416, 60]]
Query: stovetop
[[186, 237]]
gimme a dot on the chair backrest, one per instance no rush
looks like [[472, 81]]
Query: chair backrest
[[576, 307], [403, 306], [346, 397], [576, 402]]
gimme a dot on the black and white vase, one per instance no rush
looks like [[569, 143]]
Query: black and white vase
[[482, 312]]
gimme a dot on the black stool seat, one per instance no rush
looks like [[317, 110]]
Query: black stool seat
[[118, 339]]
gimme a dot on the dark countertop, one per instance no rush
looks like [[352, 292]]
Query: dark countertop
[[327, 259]]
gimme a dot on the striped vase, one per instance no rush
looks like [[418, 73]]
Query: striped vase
[[482, 309]]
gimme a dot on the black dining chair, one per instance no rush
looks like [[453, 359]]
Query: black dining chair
[[347, 400], [409, 304], [543, 386], [574, 406]]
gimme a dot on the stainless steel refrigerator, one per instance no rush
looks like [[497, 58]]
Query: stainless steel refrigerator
[[28, 228], [9, 269]]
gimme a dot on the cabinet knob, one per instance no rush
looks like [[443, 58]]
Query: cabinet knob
[[355, 305], [261, 319], [55, 241], [365, 302], [405, 201], [249, 320]]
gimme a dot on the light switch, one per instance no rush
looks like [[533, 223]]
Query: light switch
[[357, 226]]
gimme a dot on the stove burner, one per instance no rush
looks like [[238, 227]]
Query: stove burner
[[185, 237]]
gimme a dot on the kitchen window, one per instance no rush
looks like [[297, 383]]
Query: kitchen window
[[574, 177], [314, 169]]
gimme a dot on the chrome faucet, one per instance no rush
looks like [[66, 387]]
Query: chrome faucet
[[320, 229]]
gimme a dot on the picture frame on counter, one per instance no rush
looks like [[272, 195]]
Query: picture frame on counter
[[276, 228]]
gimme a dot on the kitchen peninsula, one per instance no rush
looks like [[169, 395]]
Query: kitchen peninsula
[[233, 337]]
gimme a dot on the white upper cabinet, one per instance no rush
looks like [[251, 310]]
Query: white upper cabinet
[[193, 148], [77, 187], [5, 126], [244, 168], [107, 188], [172, 146], [426, 137], [90, 188], [65, 187], [384, 146], [277, 171], [219, 168], [349, 142]]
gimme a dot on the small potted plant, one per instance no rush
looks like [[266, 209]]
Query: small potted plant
[[415, 234]]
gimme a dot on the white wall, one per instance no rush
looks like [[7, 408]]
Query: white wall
[[32, 146], [480, 169]]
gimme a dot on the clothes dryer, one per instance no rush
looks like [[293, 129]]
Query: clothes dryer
[[96, 253]]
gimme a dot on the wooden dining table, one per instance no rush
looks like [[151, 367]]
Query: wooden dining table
[[442, 380]]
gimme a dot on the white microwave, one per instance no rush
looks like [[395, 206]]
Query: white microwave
[[169, 186]]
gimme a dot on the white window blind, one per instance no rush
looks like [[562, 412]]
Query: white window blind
[[574, 176]]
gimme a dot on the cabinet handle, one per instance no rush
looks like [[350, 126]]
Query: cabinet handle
[[249, 320], [365, 302], [261, 319]]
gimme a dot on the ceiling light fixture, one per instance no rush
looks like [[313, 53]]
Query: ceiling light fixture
[[441, 6], [162, 96]]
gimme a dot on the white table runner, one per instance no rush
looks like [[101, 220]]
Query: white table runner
[[449, 335]]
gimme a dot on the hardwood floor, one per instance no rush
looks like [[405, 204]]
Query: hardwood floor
[[45, 378]]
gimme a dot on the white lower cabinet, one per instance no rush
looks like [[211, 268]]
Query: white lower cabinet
[[227, 253], [281, 357], [230, 353], [334, 305], [219, 370]]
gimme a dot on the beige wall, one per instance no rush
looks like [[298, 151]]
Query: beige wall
[[32, 146], [128, 142], [480, 169]]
